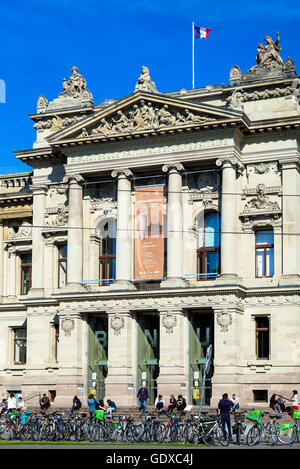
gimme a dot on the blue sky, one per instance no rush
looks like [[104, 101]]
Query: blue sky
[[110, 41]]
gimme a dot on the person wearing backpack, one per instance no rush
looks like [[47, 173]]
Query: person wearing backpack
[[92, 402]]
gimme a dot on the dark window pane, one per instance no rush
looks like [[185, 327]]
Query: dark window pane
[[212, 260], [212, 228], [63, 252]]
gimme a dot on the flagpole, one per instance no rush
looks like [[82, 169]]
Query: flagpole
[[193, 54]]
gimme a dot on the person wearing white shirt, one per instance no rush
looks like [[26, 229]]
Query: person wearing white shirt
[[20, 403], [295, 400], [11, 402]]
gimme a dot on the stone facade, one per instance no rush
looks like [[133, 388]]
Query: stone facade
[[230, 150]]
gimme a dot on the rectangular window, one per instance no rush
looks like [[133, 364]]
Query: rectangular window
[[107, 258], [26, 266], [264, 253], [62, 265], [260, 395], [20, 342], [208, 251], [56, 341], [262, 337]]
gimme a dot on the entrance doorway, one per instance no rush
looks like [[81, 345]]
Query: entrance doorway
[[98, 355], [201, 336], [148, 353]]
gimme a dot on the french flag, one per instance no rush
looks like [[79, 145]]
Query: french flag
[[201, 33]]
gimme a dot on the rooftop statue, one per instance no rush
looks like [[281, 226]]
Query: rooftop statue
[[269, 64], [268, 55], [144, 82], [76, 86]]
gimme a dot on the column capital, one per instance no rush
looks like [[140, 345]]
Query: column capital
[[172, 167], [230, 162], [73, 177], [121, 172]]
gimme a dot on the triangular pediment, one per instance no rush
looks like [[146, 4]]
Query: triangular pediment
[[140, 114]]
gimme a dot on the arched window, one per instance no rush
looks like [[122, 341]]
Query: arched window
[[107, 252], [208, 250]]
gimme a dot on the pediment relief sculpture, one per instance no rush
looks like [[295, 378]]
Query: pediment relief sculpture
[[144, 116]]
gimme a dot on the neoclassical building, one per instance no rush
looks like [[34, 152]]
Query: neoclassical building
[[149, 228]]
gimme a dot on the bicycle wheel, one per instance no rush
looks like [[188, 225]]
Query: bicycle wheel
[[219, 437], [137, 431], [287, 436], [98, 433], [253, 436], [164, 436], [129, 434]]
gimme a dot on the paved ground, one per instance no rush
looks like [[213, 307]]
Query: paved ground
[[150, 448]]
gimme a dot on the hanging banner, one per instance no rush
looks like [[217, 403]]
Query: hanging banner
[[149, 241]]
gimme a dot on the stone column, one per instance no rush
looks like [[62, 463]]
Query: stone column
[[1, 260], [70, 357], [75, 230], [290, 222], [121, 376], [228, 217], [228, 339], [124, 232], [173, 357], [174, 227], [11, 284], [38, 247]]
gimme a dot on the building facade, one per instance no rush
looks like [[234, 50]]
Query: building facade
[[149, 228]]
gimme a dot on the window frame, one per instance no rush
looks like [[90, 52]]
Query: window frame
[[22, 269], [262, 329], [23, 340], [204, 250], [263, 247], [104, 280], [61, 260]]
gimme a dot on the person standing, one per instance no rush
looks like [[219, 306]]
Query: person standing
[[143, 397], [11, 403], [224, 408], [295, 403], [91, 402]]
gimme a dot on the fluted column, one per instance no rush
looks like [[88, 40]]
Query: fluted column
[[229, 166], [124, 239], [1, 260], [174, 226], [75, 231], [290, 222], [11, 287], [38, 243]]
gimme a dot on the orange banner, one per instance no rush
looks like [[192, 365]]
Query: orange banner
[[149, 241]]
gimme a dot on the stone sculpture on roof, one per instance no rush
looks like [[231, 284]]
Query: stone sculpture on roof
[[269, 64], [144, 82]]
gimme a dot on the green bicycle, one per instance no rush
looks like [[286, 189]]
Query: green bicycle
[[270, 433]]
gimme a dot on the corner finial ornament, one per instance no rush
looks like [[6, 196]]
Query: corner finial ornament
[[144, 82]]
